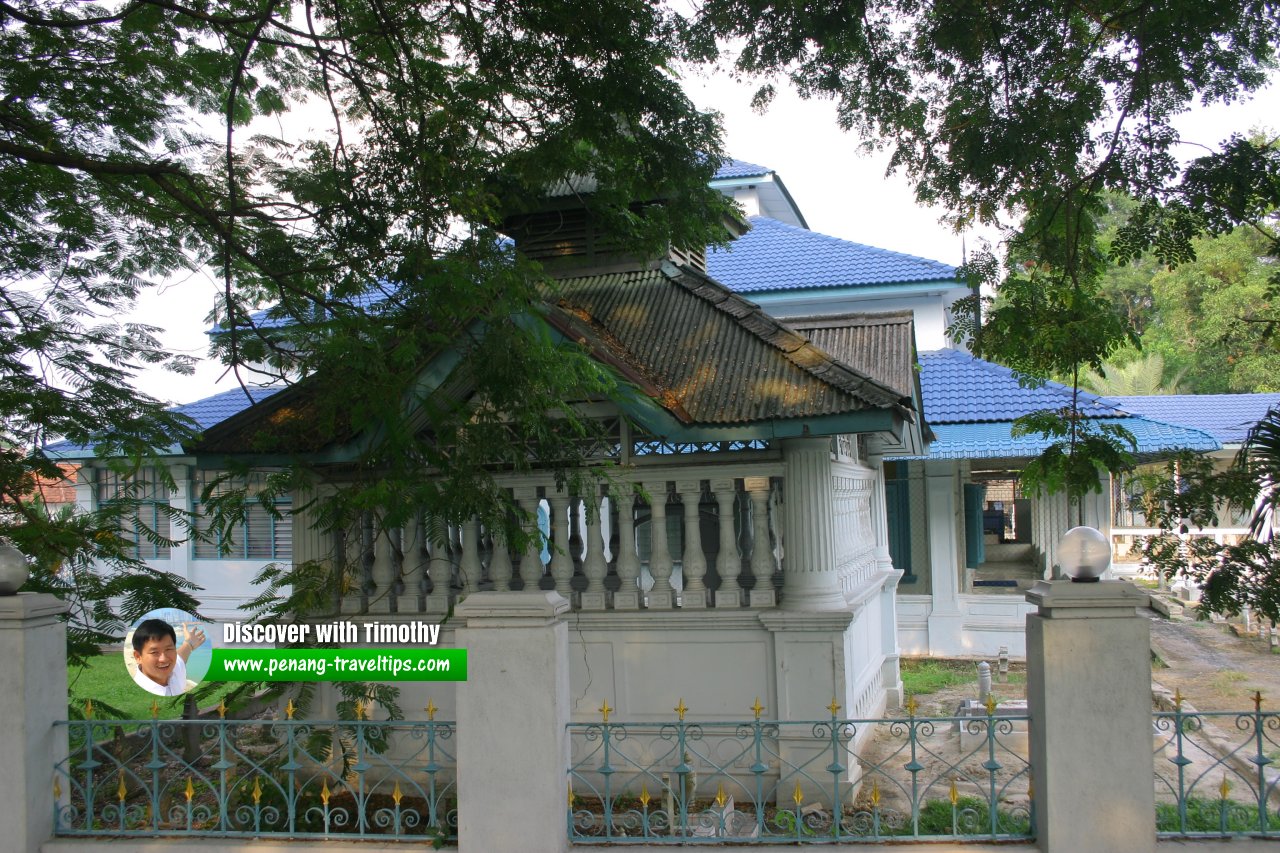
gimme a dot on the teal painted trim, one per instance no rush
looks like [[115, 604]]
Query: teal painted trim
[[975, 548], [658, 421]]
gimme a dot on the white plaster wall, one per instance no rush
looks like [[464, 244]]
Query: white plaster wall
[[929, 308]]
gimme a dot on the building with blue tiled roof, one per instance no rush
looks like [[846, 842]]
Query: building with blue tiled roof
[[931, 456]]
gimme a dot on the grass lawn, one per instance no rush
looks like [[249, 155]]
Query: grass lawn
[[105, 680], [923, 676]]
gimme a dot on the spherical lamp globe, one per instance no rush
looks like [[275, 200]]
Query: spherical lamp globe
[[1084, 554]]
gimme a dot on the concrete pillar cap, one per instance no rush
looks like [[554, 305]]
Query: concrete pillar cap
[[539, 607], [1066, 599]]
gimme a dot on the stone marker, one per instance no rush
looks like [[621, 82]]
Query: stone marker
[[984, 682]]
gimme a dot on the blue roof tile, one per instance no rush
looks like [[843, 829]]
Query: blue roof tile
[[206, 413], [958, 388], [776, 256], [996, 441], [740, 169], [1227, 417]]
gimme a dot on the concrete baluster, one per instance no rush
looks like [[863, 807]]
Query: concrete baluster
[[628, 595], [594, 566], [662, 596], [762, 563], [561, 560], [728, 561], [693, 561]]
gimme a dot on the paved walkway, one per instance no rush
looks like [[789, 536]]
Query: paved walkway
[[1214, 669]]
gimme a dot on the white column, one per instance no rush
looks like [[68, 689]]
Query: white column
[[382, 571], [594, 566], [762, 563], [662, 595], [439, 566], [1089, 696], [33, 693], [945, 620], [514, 798], [628, 595], [810, 581], [693, 562], [728, 561]]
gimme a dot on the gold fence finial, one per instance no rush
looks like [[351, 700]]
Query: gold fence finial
[[875, 793], [834, 707], [121, 791], [757, 707], [721, 798], [155, 709], [1257, 700], [57, 788], [680, 710], [431, 710], [324, 792], [257, 790], [88, 709], [605, 710], [222, 709], [797, 796], [644, 796], [1225, 788], [912, 705], [1177, 699], [290, 710], [953, 794], [396, 795], [190, 791], [571, 795], [991, 704]]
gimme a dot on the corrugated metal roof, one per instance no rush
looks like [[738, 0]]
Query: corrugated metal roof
[[776, 256], [996, 441], [880, 345], [959, 388], [711, 356], [1227, 417]]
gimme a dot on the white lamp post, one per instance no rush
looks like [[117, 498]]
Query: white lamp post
[[1084, 554], [13, 569]]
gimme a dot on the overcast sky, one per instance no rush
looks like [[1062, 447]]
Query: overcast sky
[[840, 191]]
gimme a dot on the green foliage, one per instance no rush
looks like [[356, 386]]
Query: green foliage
[[1213, 815], [1080, 453], [1143, 375], [141, 141], [1190, 495]]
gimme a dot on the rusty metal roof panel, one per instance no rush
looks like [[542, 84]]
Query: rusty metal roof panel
[[711, 354], [882, 346]]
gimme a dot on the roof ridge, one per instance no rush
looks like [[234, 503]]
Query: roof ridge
[[851, 318], [793, 345]]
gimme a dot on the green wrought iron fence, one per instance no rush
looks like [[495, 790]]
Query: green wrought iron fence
[[1214, 773], [389, 780], [766, 781]]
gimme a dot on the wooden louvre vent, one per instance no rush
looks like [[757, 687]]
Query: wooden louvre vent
[[571, 235]]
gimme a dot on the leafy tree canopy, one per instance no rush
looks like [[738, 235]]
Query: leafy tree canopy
[[142, 138], [1027, 113]]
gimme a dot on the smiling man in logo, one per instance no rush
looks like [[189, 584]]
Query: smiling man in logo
[[162, 663]]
